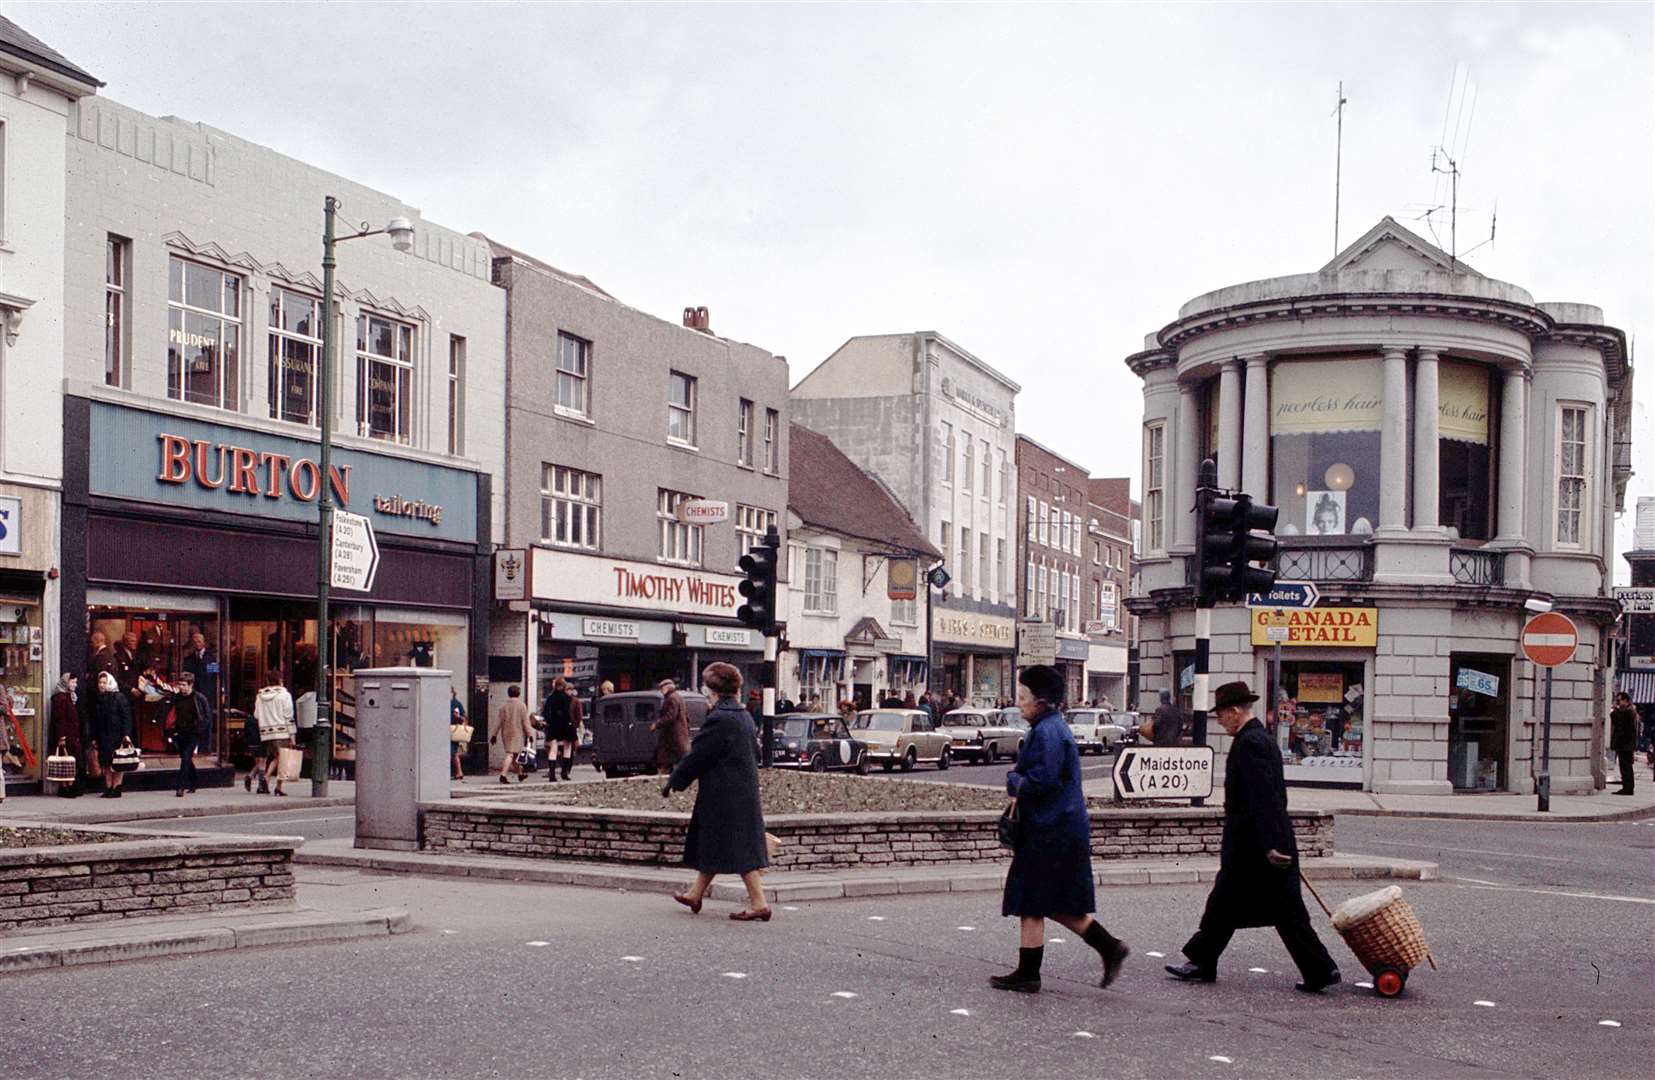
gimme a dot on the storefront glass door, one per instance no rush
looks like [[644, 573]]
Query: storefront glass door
[[1321, 720], [1478, 711]]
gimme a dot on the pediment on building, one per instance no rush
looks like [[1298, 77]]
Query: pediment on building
[[1389, 246]]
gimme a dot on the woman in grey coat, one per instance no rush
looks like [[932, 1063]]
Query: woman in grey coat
[[726, 834]]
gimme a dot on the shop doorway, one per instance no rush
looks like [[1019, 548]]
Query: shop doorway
[[1479, 710], [1320, 721]]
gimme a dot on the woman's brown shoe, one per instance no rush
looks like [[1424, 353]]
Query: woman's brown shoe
[[693, 905], [756, 915]]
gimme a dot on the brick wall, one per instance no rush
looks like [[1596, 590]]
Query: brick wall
[[825, 841], [81, 883]]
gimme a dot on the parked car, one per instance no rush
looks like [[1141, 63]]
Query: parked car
[[1098, 730], [818, 742], [983, 735], [621, 739], [902, 737]]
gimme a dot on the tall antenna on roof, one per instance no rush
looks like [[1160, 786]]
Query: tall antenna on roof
[[1338, 161], [1447, 159]]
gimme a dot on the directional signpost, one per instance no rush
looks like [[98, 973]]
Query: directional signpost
[[1164, 772], [1549, 640], [355, 552], [1282, 596]]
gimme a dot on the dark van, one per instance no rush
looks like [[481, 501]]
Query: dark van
[[621, 739]]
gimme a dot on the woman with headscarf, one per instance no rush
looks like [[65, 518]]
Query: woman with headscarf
[[64, 716], [1051, 864], [726, 834], [111, 726]]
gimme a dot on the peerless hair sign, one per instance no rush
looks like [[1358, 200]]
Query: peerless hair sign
[[592, 579], [166, 460]]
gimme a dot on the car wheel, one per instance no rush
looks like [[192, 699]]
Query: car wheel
[[943, 762], [991, 754], [818, 764], [864, 766], [910, 759]]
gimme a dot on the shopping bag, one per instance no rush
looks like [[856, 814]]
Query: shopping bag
[[60, 765], [290, 762], [772, 844], [128, 758], [459, 733]]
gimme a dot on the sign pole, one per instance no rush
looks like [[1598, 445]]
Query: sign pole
[[1545, 785], [769, 708], [321, 759]]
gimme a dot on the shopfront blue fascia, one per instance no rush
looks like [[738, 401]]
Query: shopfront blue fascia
[[163, 459]]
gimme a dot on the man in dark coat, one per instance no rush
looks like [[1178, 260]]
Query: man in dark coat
[[1623, 738], [1258, 881], [671, 727]]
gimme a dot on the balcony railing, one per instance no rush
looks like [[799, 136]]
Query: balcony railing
[[1302, 559], [1475, 566]]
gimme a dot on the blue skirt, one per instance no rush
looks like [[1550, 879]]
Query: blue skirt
[[1050, 876]]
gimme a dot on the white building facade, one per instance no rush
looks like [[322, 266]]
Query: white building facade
[[1443, 449]]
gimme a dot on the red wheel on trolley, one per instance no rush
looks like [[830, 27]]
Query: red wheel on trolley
[[1388, 982]]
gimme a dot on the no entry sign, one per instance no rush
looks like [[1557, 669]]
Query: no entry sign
[[1164, 772], [1550, 639]]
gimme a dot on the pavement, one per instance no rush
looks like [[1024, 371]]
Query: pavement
[[514, 979]]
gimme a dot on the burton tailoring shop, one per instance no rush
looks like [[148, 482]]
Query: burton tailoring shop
[[190, 545]]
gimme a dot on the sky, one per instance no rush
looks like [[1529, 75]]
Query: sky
[[1044, 184]]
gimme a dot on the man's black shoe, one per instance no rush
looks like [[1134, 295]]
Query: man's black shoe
[[1624, 792], [1332, 979], [1016, 982], [1192, 973]]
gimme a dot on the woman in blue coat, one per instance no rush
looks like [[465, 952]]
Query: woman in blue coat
[[726, 834], [1051, 867]]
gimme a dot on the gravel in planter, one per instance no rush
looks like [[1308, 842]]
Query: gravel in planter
[[785, 792], [20, 838]]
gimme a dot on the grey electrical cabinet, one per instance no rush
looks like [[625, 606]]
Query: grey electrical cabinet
[[402, 751]]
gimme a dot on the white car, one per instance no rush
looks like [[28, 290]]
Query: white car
[[981, 734], [1096, 730]]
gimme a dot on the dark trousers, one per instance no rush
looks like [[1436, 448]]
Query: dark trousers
[[1303, 945], [186, 761], [1626, 768]]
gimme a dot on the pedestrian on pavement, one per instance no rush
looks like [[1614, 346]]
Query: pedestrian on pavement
[[1258, 877], [513, 730], [456, 715], [928, 707], [1623, 737], [889, 700], [671, 727], [1166, 726], [577, 720], [111, 726], [558, 714], [192, 713], [273, 718], [65, 727], [1051, 865], [755, 707], [726, 834]]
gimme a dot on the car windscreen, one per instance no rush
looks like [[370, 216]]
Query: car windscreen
[[796, 729], [879, 721], [962, 719]]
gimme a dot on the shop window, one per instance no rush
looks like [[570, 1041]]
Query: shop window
[[456, 394], [772, 441], [1572, 463], [116, 266], [752, 523], [1478, 721], [1319, 720], [422, 639], [681, 409], [203, 334], [142, 647], [574, 388], [821, 581], [295, 355], [384, 379], [1324, 445], [744, 434], [680, 542], [571, 507], [22, 680], [1465, 460]]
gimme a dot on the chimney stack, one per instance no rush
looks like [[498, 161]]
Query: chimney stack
[[696, 318]]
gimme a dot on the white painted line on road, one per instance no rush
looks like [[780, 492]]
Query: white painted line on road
[[1469, 851], [1609, 1023], [537, 944], [843, 994], [1484, 1004], [1221, 1059], [789, 907], [1496, 887], [1157, 955], [967, 1012], [633, 959], [1365, 985], [1259, 971], [968, 929], [1055, 940], [1084, 1035], [876, 918], [735, 974], [451, 931]]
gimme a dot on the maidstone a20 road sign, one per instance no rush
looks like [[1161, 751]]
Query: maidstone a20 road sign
[[1164, 772]]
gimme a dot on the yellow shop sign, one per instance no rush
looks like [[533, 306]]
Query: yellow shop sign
[[1347, 627]]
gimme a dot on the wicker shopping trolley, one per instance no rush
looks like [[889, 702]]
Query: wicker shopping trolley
[[1385, 935]]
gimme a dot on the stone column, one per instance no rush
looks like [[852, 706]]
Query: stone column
[[1393, 444], [1229, 424], [1255, 454], [1186, 464], [1427, 420], [1514, 435]]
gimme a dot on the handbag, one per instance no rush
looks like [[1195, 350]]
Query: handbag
[[128, 758], [290, 762], [459, 733], [60, 765], [772, 844], [526, 759], [1010, 830]]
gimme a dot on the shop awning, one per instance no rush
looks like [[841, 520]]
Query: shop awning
[[820, 653], [1638, 685]]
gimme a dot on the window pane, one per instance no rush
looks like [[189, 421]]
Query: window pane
[[203, 287]]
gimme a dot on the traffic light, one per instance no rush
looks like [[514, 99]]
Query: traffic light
[[759, 587], [1228, 546]]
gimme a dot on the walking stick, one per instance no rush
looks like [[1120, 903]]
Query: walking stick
[[1314, 893]]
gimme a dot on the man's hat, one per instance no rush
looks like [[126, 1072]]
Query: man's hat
[[1233, 693]]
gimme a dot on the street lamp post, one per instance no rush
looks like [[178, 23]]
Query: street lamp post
[[401, 232]]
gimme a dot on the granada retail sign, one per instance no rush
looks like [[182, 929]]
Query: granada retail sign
[[163, 459], [573, 578], [1349, 627]]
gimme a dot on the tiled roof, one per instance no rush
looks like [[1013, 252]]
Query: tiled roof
[[828, 491], [20, 43]]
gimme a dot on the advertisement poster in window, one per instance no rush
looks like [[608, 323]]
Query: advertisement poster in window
[[1321, 687], [1324, 513]]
